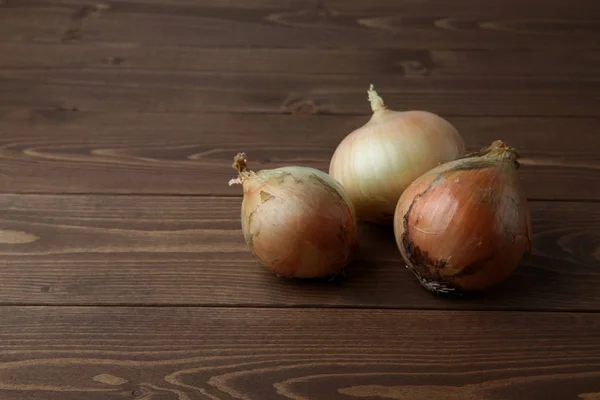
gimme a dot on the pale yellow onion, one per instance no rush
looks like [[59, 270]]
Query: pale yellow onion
[[296, 220], [464, 226], [376, 162]]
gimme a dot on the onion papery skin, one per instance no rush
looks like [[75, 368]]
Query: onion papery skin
[[465, 225], [376, 162], [298, 222]]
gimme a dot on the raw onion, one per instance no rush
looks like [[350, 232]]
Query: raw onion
[[376, 162], [296, 220], [465, 225]]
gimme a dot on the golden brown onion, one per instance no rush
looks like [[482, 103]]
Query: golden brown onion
[[376, 162], [297, 221], [465, 225]]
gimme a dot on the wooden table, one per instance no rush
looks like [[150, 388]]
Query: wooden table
[[123, 270]]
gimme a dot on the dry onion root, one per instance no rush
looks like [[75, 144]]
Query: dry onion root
[[465, 225], [296, 220], [376, 162]]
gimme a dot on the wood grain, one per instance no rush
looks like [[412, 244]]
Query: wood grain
[[258, 354], [564, 63], [190, 251], [383, 24], [62, 151], [123, 270], [104, 89]]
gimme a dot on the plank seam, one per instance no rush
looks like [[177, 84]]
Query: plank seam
[[226, 196], [298, 307]]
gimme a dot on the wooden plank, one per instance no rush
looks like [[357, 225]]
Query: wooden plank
[[190, 251], [209, 92], [351, 7], [165, 153], [187, 353], [557, 63], [427, 24]]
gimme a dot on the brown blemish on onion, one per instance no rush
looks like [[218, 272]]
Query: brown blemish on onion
[[250, 240], [425, 269], [328, 187], [249, 237], [422, 266], [281, 179], [250, 216], [265, 196]]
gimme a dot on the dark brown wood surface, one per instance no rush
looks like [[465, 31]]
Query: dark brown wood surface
[[63, 151], [123, 270], [252, 353], [86, 250], [463, 24], [470, 63], [109, 90]]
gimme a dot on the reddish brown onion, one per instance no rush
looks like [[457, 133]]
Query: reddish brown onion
[[297, 221], [465, 225]]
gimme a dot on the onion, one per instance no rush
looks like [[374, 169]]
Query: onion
[[297, 221], [465, 225], [376, 162]]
